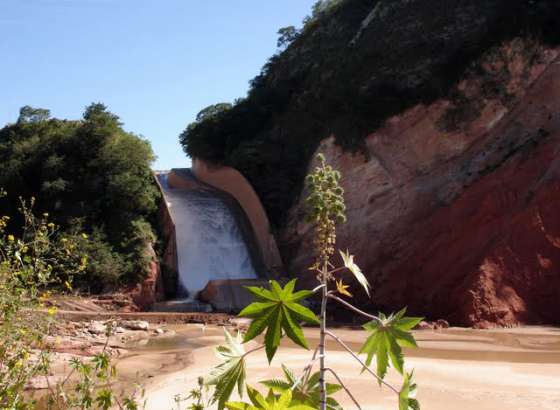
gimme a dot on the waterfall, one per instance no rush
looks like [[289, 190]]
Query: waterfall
[[209, 241]]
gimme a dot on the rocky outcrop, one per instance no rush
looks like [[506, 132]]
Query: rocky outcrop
[[229, 295], [453, 207], [151, 289], [169, 259]]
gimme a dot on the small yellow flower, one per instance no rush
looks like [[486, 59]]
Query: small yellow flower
[[11, 238], [51, 311], [84, 236], [342, 288]]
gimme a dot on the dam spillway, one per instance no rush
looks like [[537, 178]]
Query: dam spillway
[[210, 243]]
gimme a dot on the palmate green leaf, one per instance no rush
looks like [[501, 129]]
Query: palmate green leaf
[[236, 405], [276, 385], [231, 372], [272, 401], [290, 376], [307, 392], [407, 395], [386, 340], [277, 310]]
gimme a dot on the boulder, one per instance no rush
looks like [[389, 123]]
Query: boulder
[[441, 324], [151, 289], [423, 325], [135, 325], [43, 382], [97, 328], [229, 295]]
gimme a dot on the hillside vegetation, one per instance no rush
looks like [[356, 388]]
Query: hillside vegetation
[[93, 178], [352, 65]]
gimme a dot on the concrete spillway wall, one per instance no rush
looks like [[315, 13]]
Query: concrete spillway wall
[[230, 180], [209, 235]]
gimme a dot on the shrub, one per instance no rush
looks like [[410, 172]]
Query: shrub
[[278, 312], [40, 259], [30, 264]]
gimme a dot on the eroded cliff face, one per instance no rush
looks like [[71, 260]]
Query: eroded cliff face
[[453, 207]]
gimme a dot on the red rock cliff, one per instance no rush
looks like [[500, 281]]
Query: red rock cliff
[[454, 208]]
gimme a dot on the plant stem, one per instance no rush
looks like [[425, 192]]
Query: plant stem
[[322, 339], [248, 352], [328, 369], [354, 308], [314, 359], [306, 370], [337, 270], [355, 356], [317, 289]]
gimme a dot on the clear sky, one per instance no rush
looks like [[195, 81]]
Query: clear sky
[[155, 63]]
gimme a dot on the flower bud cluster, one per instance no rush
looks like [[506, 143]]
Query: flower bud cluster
[[325, 205]]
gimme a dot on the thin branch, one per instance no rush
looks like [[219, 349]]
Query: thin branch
[[318, 288], [252, 351], [348, 392], [337, 270], [306, 369], [354, 308], [258, 347], [308, 373], [365, 366]]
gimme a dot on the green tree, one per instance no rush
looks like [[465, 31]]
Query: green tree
[[90, 173], [29, 114], [212, 110], [286, 35]]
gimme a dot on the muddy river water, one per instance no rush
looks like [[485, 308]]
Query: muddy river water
[[513, 369]]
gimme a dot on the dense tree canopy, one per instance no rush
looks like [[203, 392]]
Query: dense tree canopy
[[286, 35], [344, 73], [92, 177]]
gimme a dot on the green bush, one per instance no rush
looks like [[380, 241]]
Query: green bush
[[35, 262], [93, 177], [30, 264]]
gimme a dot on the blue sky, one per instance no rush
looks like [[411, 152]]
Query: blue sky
[[155, 63]]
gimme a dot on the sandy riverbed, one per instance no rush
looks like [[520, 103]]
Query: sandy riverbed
[[456, 369]]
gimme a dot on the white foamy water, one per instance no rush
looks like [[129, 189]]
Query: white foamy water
[[209, 242]]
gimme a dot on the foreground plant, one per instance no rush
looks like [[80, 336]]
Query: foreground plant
[[33, 263], [89, 386], [279, 311], [30, 264]]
